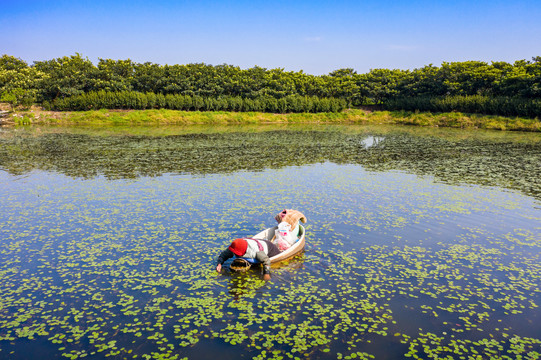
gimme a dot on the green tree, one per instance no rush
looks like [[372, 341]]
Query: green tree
[[115, 75], [343, 84], [18, 81], [8, 62], [18, 97], [149, 77], [67, 76], [382, 84]]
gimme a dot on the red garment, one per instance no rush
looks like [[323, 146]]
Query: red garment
[[238, 247]]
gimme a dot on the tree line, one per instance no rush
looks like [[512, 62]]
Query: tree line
[[459, 86]]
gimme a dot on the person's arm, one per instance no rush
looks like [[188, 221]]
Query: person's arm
[[265, 260], [226, 254]]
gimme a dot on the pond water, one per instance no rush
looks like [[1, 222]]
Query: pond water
[[421, 243]]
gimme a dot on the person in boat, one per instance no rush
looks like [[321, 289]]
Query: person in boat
[[261, 250]]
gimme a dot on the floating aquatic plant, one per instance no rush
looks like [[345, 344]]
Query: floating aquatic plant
[[108, 246]]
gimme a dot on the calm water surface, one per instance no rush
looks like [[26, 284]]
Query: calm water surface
[[420, 243]]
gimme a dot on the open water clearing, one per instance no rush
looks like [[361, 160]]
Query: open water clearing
[[420, 243]]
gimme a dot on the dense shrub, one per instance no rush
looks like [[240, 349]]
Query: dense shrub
[[139, 101], [506, 106]]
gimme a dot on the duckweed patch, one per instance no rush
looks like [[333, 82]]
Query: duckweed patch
[[108, 243]]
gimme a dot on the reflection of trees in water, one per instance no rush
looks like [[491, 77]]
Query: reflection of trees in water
[[510, 164]]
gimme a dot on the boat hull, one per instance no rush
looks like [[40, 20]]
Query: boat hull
[[295, 249]]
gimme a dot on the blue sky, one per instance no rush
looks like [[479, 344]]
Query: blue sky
[[314, 36]]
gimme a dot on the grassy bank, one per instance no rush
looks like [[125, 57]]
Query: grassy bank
[[175, 117]]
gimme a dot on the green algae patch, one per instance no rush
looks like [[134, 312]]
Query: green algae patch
[[418, 246]]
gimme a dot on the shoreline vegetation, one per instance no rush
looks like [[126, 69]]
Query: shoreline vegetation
[[37, 116], [73, 90], [74, 83]]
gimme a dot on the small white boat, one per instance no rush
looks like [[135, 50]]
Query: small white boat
[[295, 249]]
